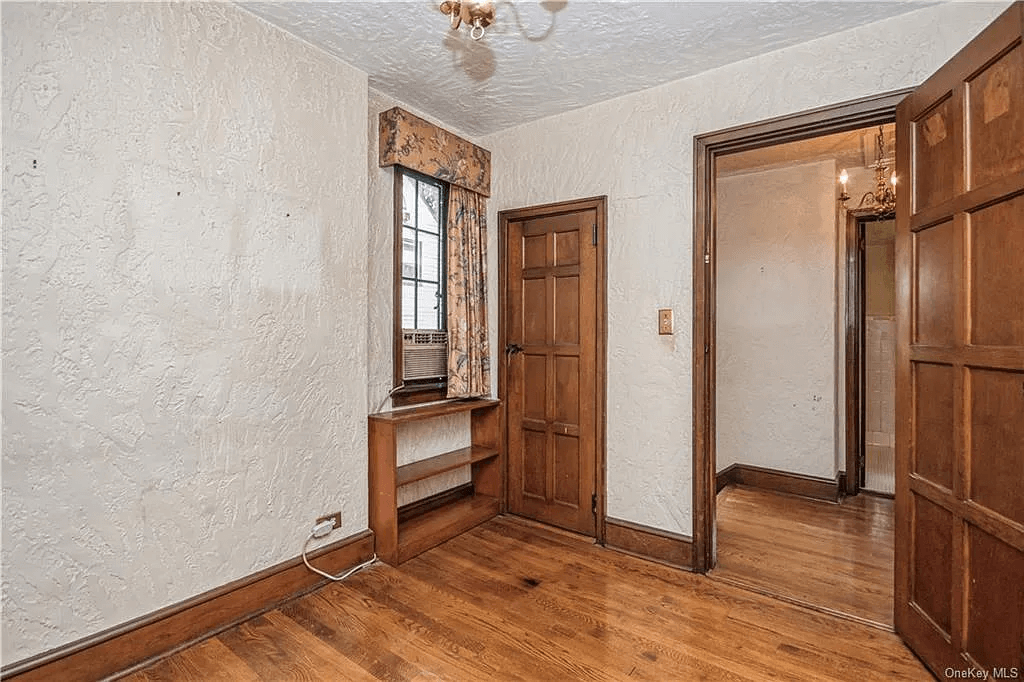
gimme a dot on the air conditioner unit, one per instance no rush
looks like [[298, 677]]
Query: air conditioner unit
[[424, 354]]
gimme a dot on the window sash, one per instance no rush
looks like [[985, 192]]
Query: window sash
[[419, 286]]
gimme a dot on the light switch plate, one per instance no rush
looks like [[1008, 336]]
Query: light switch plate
[[665, 321]]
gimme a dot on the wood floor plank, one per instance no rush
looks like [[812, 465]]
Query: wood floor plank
[[411, 634], [785, 648], [510, 600], [836, 556], [277, 648], [502, 635], [208, 660], [605, 630], [356, 637]]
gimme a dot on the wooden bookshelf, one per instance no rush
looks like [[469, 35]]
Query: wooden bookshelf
[[399, 541]]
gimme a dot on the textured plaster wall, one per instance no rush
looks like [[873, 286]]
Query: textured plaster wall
[[776, 334], [419, 440], [637, 150], [184, 307]]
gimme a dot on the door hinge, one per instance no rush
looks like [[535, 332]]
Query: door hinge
[[594, 234], [593, 504]]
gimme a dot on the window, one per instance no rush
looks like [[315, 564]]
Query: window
[[421, 342]]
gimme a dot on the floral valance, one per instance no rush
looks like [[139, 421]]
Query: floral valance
[[409, 141]]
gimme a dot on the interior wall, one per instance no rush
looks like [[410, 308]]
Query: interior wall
[[638, 150], [184, 307], [776, 373]]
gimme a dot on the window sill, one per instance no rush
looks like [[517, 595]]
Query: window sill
[[414, 395]]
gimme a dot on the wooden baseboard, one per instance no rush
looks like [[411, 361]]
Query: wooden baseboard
[[158, 634], [645, 542], [782, 482]]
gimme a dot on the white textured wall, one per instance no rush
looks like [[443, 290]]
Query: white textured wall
[[776, 373], [638, 149], [185, 305]]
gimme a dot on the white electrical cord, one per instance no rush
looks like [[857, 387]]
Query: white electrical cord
[[390, 393], [335, 578]]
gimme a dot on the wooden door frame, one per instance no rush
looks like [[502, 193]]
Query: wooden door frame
[[855, 328], [860, 113], [600, 205]]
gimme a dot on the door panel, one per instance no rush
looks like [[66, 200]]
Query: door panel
[[997, 283], [933, 142], [934, 454], [960, 358], [935, 284], [994, 118], [551, 312], [996, 625], [996, 428]]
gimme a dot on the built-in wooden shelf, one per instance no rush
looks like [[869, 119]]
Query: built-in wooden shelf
[[419, 534], [421, 413], [399, 541], [425, 468]]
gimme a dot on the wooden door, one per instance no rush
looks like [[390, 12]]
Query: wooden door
[[960, 362], [553, 331]]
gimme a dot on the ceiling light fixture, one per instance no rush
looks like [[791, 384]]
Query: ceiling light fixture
[[478, 15], [883, 199]]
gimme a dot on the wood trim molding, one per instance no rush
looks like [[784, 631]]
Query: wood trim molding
[[649, 543], [854, 346], [868, 111], [143, 640], [778, 481]]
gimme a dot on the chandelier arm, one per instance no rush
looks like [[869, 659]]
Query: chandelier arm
[[864, 198]]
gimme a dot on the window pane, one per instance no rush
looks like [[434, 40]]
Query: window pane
[[409, 253], [408, 200], [430, 207], [429, 258], [428, 307], [408, 305]]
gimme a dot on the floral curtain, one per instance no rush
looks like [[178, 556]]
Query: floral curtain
[[469, 362]]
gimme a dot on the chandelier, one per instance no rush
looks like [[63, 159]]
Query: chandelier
[[477, 15], [883, 198]]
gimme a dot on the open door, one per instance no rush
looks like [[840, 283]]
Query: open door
[[960, 360]]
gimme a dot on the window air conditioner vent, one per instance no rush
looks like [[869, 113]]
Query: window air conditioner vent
[[424, 354]]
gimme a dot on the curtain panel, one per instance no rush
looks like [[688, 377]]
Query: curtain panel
[[469, 361], [408, 140]]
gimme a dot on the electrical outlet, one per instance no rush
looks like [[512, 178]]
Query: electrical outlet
[[665, 321], [335, 518]]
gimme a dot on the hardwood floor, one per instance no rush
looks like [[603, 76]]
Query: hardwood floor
[[513, 601], [834, 556]]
